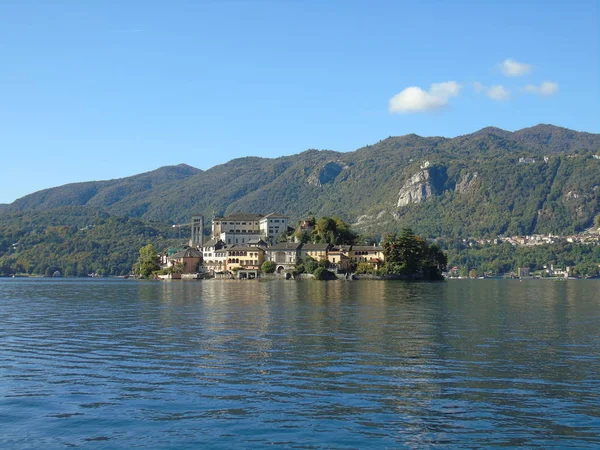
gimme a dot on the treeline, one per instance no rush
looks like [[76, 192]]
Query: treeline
[[93, 242], [506, 258]]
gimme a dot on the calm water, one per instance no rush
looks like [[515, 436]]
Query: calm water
[[283, 364]]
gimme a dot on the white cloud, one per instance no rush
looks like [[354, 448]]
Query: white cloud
[[498, 92], [546, 88], [414, 99], [478, 87], [512, 68]]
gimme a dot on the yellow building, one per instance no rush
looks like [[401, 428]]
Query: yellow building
[[339, 255], [244, 257], [369, 254], [315, 251]]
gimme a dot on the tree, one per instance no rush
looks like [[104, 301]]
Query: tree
[[147, 262], [365, 267], [321, 273], [268, 267], [409, 255], [333, 230], [310, 264], [472, 273]]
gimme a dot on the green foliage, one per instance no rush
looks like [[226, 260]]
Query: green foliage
[[321, 273], [147, 263], [506, 258], [366, 268], [409, 255], [268, 267], [324, 263], [333, 230], [506, 197], [76, 241], [174, 269], [478, 188], [310, 264]]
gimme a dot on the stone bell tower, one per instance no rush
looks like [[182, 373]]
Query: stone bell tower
[[197, 231]]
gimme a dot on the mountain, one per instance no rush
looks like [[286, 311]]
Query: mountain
[[539, 179], [542, 179]]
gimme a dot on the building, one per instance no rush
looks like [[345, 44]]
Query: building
[[209, 255], [190, 258], [523, 272], [339, 256], [372, 255], [244, 257], [272, 225], [285, 255], [242, 228], [314, 251], [218, 262], [197, 231]]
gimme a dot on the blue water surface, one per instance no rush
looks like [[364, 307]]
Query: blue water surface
[[122, 364]]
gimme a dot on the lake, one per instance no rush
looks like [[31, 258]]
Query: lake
[[111, 364]]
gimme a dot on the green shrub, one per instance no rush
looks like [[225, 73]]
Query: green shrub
[[321, 273], [268, 267]]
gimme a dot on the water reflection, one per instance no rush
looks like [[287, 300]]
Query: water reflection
[[291, 364]]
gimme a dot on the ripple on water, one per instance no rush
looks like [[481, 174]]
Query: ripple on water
[[107, 364]]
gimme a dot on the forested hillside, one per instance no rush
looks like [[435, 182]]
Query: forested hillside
[[76, 241], [543, 179], [470, 185]]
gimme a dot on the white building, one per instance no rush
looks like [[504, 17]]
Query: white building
[[272, 225], [240, 228]]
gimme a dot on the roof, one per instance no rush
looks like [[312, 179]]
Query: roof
[[256, 241], [340, 248], [366, 248], [188, 253], [273, 214], [244, 248], [285, 246], [241, 216], [315, 247], [212, 242]]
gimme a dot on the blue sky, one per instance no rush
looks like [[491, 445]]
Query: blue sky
[[101, 90]]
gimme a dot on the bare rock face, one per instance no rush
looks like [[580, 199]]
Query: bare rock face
[[326, 174], [417, 189], [467, 182]]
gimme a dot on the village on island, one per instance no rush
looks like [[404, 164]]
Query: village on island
[[241, 243], [252, 246]]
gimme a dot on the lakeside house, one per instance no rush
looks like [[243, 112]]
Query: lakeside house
[[189, 258], [367, 254], [285, 255], [314, 251]]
